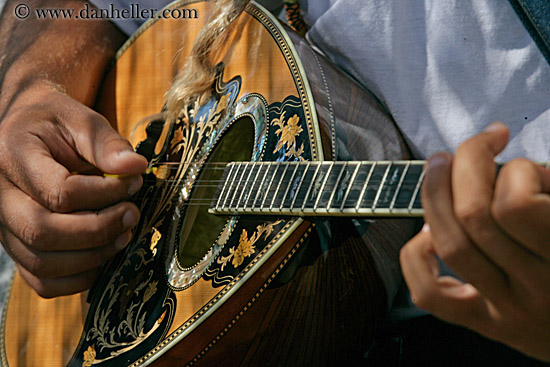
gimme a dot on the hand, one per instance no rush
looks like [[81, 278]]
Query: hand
[[494, 232], [58, 226]]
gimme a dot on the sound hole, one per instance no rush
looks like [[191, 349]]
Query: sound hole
[[200, 229]]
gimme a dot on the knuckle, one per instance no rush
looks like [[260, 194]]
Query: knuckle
[[452, 252], [472, 215], [36, 266], [58, 200], [34, 235]]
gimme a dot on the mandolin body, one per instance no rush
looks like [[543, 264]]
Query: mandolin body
[[192, 288]]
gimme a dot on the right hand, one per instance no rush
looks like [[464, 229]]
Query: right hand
[[58, 224]]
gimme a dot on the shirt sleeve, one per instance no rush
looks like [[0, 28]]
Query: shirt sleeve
[[129, 15]]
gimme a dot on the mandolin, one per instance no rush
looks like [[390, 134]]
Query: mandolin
[[282, 135]]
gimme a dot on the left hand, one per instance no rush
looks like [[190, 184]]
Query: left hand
[[494, 233]]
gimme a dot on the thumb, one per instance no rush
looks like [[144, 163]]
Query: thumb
[[103, 147]]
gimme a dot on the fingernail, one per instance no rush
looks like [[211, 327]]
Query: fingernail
[[129, 219], [426, 227], [123, 240], [126, 153], [495, 126], [135, 185]]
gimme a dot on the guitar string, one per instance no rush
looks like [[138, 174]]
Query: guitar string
[[194, 200]]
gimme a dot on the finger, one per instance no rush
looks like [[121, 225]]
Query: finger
[[521, 205], [54, 264], [445, 297], [43, 230], [49, 288], [98, 143], [60, 191], [450, 241], [473, 182]]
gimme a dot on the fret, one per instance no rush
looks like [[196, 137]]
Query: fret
[[381, 188], [241, 171], [415, 200], [311, 184], [239, 190], [364, 189], [246, 187], [321, 190], [335, 188], [350, 185], [405, 194], [351, 188], [278, 186], [357, 186], [260, 194], [289, 186], [226, 187], [220, 189], [268, 193], [399, 185], [258, 167], [388, 189], [299, 189]]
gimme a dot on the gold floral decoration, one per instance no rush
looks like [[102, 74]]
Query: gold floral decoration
[[162, 172], [177, 139], [246, 245], [89, 357], [150, 291], [288, 132], [244, 249], [155, 238], [222, 103]]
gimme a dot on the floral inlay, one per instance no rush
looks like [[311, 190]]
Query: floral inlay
[[287, 132]]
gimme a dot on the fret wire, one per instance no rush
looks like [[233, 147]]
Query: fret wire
[[257, 164], [336, 184], [289, 185], [362, 194], [327, 175], [278, 186], [379, 191], [269, 187], [225, 186], [245, 183], [300, 185], [399, 185], [416, 190], [268, 165], [311, 184], [359, 164], [236, 188]]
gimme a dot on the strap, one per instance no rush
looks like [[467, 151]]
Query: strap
[[535, 15]]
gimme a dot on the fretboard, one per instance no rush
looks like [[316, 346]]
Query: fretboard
[[353, 188]]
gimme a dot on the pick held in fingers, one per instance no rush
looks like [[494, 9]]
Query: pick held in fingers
[[61, 143]]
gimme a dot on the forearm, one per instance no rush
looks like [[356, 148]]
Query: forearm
[[66, 54]]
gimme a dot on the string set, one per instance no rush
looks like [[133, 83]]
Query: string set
[[253, 196]]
